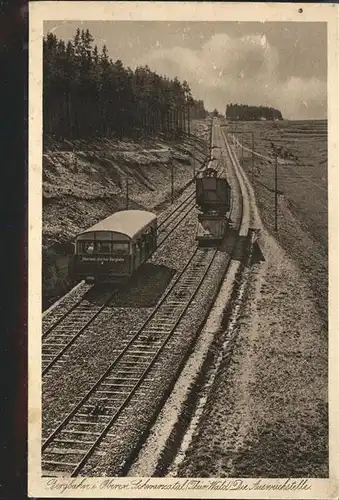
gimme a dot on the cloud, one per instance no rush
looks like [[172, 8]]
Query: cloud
[[243, 69]]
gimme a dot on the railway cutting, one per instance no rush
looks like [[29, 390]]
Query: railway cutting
[[81, 440]]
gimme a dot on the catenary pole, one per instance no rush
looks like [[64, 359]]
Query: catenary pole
[[276, 193], [127, 194], [194, 160], [172, 180], [252, 157]]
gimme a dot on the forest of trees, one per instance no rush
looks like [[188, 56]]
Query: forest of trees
[[86, 94], [246, 113]]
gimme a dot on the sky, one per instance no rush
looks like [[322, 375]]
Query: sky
[[278, 64]]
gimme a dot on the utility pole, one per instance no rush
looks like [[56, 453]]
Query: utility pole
[[172, 180], [252, 157], [127, 200], [276, 193], [188, 118], [194, 160]]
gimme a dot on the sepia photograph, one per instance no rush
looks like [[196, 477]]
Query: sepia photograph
[[181, 235]]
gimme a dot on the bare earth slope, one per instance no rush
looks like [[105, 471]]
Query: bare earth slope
[[84, 182]]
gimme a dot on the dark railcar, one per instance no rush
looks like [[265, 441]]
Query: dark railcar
[[213, 197], [113, 249], [213, 192]]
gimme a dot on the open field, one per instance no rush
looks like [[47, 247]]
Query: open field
[[302, 184], [303, 177]]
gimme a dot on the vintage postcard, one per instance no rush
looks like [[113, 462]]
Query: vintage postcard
[[183, 285]]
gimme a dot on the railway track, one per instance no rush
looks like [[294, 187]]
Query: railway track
[[59, 337], [56, 312], [72, 443], [67, 450], [175, 218]]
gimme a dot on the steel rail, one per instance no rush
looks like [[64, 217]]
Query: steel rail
[[130, 343]]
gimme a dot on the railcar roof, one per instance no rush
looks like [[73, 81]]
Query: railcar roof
[[128, 222]]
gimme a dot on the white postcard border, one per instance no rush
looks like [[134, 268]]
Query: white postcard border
[[172, 11]]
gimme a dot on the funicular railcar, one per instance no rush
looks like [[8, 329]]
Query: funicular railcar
[[112, 250], [213, 198]]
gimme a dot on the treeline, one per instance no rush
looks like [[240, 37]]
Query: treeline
[[86, 94], [245, 112]]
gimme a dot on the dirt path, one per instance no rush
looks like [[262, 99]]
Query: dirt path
[[267, 411]]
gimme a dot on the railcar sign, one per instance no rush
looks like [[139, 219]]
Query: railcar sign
[[103, 259]]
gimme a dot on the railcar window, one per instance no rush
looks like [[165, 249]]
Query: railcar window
[[94, 247], [120, 248], [104, 247], [87, 247]]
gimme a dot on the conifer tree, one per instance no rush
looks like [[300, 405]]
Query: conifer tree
[[87, 95]]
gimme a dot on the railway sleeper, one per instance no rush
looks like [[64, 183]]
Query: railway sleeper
[[47, 362], [66, 451], [108, 402], [135, 359], [77, 422], [52, 473], [64, 337], [175, 303], [118, 384], [73, 431], [141, 354], [116, 393], [72, 441], [145, 353], [131, 364], [86, 426], [145, 346], [54, 462], [159, 328], [122, 374], [109, 406], [113, 387], [165, 318], [145, 339], [89, 415], [53, 345]]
